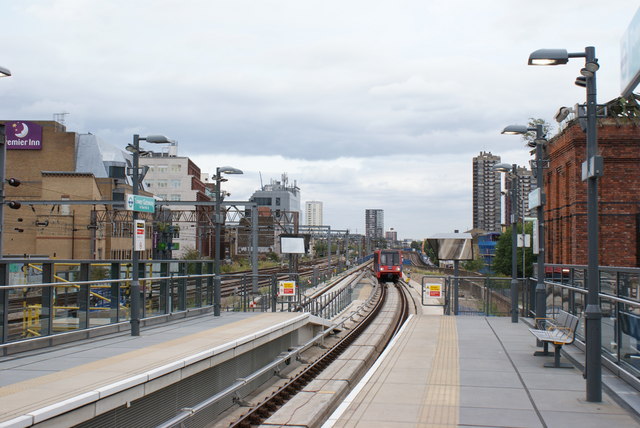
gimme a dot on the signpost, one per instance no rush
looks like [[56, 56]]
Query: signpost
[[142, 204]]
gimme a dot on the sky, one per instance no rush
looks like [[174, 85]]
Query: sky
[[365, 104]]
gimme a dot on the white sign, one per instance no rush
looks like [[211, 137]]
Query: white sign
[[286, 288], [630, 57], [139, 235], [535, 199], [536, 246], [527, 240]]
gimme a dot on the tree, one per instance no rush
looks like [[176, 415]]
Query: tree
[[530, 136], [502, 259], [416, 245]]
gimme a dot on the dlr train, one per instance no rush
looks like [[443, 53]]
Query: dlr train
[[387, 264]]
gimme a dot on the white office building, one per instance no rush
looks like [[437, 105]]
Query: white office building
[[313, 213]]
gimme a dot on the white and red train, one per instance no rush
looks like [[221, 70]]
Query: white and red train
[[387, 264]]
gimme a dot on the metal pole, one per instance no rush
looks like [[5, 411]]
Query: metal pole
[[456, 283], [329, 249], [541, 289], [217, 297], [593, 314], [3, 156], [254, 248], [135, 283], [514, 245]]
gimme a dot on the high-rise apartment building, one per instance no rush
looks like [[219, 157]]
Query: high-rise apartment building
[[313, 213], [486, 193], [374, 223], [526, 183]]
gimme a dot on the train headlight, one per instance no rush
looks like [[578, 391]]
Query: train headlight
[[381, 268]]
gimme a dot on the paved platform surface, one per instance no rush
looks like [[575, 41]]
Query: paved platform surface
[[472, 372], [36, 379]]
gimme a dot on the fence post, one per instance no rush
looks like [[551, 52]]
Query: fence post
[[4, 302], [182, 287], [114, 304], [83, 297], [163, 304], [274, 293]]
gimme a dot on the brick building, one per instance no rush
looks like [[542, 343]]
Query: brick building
[[618, 189]]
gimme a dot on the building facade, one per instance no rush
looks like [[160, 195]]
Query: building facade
[[313, 213], [618, 195], [278, 196], [374, 223], [486, 193], [56, 165], [177, 178]]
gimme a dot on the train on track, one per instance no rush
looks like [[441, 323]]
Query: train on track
[[387, 265]]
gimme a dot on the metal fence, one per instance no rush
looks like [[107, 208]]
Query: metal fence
[[619, 302], [48, 297]]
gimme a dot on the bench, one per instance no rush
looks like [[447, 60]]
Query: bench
[[559, 330]]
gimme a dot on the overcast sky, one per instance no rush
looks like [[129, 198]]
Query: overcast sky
[[366, 104]]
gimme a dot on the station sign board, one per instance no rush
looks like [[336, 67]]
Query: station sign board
[[143, 204], [286, 288]]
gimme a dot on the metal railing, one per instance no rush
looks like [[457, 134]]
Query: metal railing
[[619, 302], [40, 298]]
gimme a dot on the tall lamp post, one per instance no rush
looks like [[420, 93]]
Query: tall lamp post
[[538, 143], [592, 168], [506, 168], [217, 294], [3, 156], [135, 183]]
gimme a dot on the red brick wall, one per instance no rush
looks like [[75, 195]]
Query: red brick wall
[[618, 190]]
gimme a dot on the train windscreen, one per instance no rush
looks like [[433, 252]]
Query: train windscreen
[[390, 259]]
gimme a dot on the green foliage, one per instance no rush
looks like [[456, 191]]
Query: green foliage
[[273, 256], [530, 136], [502, 259], [191, 254], [416, 245], [98, 272], [430, 252], [473, 265]]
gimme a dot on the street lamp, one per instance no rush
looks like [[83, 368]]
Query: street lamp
[[592, 168], [217, 295], [4, 72], [538, 143], [506, 168], [135, 183]]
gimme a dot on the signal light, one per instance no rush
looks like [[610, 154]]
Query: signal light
[[14, 205], [13, 182]]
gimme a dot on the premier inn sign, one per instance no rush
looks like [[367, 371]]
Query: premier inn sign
[[23, 135]]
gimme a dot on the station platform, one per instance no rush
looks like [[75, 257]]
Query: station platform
[[450, 371], [69, 384], [439, 371]]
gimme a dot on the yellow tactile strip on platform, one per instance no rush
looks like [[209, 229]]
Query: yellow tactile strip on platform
[[442, 398]]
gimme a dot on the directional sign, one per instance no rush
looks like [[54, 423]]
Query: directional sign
[[139, 203]]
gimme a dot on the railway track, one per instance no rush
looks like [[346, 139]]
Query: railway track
[[389, 299]]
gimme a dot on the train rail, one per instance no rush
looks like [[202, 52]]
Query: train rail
[[400, 305]]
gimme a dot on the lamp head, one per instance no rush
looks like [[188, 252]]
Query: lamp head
[[228, 170], [4, 72], [156, 139], [502, 167], [516, 130], [549, 57]]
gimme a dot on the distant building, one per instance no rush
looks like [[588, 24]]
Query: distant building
[[313, 213], [486, 193], [391, 236], [177, 178], [374, 223], [526, 183], [278, 196]]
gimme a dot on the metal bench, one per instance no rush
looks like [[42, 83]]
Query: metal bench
[[559, 330]]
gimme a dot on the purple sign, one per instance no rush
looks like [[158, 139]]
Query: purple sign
[[23, 136]]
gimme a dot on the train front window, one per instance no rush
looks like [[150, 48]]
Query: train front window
[[389, 259]]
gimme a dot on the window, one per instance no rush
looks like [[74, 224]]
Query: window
[[263, 201], [277, 202], [176, 167], [163, 169], [161, 184], [162, 196], [175, 197], [148, 184], [175, 184]]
